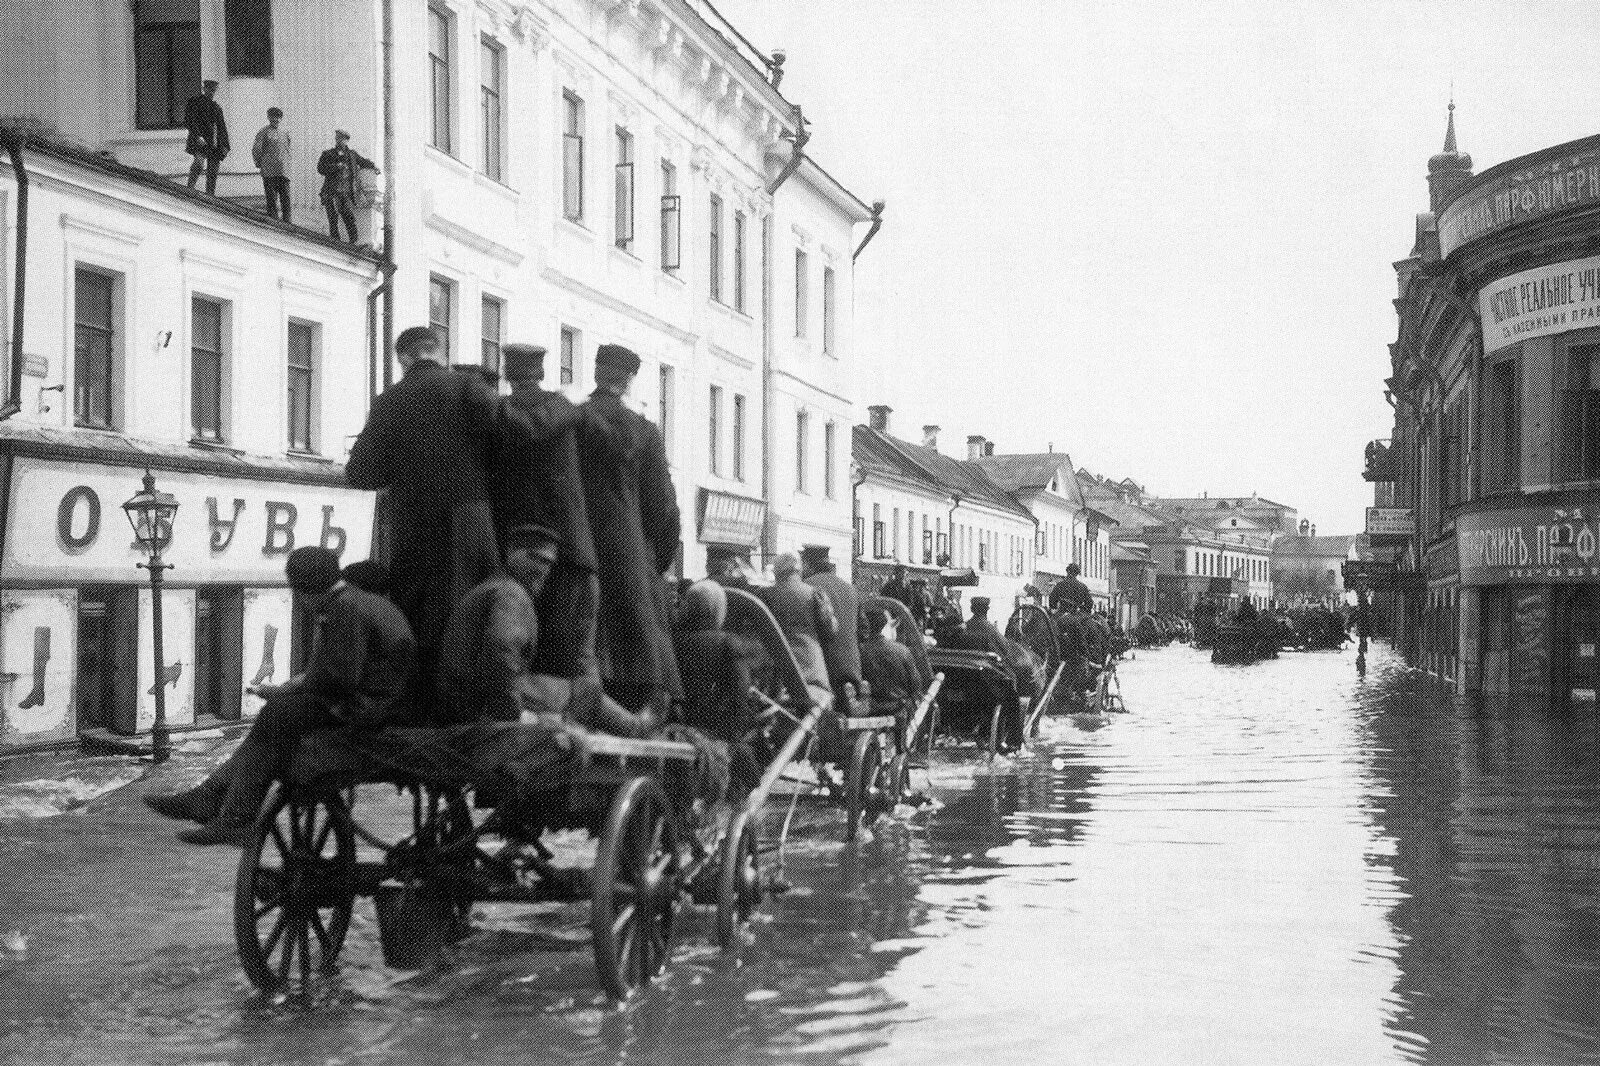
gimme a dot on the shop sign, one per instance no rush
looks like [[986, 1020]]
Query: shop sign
[[1551, 185], [1529, 545], [1367, 573], [1385, 521], [1539, 302], [64, 522], [729, 519]]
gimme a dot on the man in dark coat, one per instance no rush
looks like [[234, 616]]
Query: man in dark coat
[[539, 482], [1070, 593], [841, 650], [428, 440], [338, 166], [633, 514], [357, 677], [888, 668], [896, 587], [208, 135]]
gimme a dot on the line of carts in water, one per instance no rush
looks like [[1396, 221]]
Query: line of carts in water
[[483, 798]]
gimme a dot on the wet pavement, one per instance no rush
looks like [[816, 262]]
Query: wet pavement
[[1279, 863]]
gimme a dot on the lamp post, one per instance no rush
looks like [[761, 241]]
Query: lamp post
[[151, 514]]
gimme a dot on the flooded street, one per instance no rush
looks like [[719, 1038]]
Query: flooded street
[[1278, 863]]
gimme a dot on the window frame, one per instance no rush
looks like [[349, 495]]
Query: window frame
[[443, 328], [107, 391], [802, 293], [740, 229], [570, 351], [738, 436], [829, 285], [216, 359], [671, 220], [489, 355], [1577, 437], [247, 38], [714, 423], [623, 220], [309, 445], [714, 247], [802, 444], [492, 98], [176, 95], [573, 122], [830, 440], [441, 79]]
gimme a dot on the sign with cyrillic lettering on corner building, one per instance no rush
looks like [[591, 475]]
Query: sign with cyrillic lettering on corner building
[[64, 522], [1529, 545], [1555, 183], [1540, 302]]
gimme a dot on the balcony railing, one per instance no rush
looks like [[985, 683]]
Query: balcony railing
[[1383, 462]]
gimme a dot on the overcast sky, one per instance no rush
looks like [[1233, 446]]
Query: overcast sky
[[1159, 235]]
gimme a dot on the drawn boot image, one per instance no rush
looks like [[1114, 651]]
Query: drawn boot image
[[41, 659], [269, 647], [169, 676]]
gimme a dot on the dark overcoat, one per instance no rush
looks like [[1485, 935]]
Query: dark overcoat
[[429, 440], [207, 127], [633, 515], [842, 650], [538, 480]]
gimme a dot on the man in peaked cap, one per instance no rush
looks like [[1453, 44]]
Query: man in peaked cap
[[208, 135], [633, 514], [538, 481], [357, 676], [841, 650]]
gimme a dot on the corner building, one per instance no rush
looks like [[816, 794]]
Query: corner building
[[1496, 445]]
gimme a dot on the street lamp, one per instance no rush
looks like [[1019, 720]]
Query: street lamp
[[151, 513]]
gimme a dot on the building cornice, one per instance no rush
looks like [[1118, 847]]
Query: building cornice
[[605, 299]]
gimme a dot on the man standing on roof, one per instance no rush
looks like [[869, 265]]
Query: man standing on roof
[[271, 154], [208, 135], [1070, 593], [338, 166]]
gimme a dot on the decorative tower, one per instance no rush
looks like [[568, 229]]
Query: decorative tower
[[1448, 170]]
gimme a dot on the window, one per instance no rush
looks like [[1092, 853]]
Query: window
[[441, 302], [738, 437], [1452, 451], [927, 543], [829, 432], [494, 315], [827, 311], [802, 430], [801, 295], [664, 401], [1578, 435], [572, 157], [1502, 452], [739, 223], [569, 356], [716, 429], [302, 385], [671, 218], [94, 343], [166, 61], [714, 258], [894, 533], [205, 368], [441, 27], [624, 190], [878, 545], [858, 535], [491, 95], [983, 552], [1177, 561], [248, 38]]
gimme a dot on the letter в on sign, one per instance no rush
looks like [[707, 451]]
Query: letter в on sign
[[280, 528]]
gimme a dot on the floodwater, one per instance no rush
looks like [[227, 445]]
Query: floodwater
[[1279, 863]]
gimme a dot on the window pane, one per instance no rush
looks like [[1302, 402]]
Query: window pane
[[715, 426], [624, 194], [738, 260], [827, 309], [738, 438], [569, 356], [439, 63], [493, 93], [441, 294], [572, 176], [206, 368], [714, 265], [800, 301], [301, 343], [493, 312], [249, 38]]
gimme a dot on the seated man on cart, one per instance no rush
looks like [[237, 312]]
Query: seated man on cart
[[715, 666], [889, 669], [359, 670]]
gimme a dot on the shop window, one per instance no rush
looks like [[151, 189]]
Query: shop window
[[1578, 435], [97, 342], [166, 61], [1502, 447], [248, 31], [218, 651], [108, 646]]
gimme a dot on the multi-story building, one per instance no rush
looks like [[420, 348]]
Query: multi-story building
[[1067, 530], [1493, 466], [165, 331], [560, 172]]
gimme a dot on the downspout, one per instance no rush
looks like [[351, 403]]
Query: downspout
[[388, 264], [14, 141], [950, 526], [855, 514], [769, 530], [877, 224], [796, 157]]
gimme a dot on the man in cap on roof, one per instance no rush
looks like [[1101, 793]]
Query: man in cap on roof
[[357, 677], [841, 650], [208, 135], [271, 154], [538, 481], [338, 166], [633, 515], [429, 441]]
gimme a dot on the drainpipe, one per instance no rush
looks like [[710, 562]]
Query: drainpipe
[[855, 512], [14, 141], [388, 265], [877, 224], [950, 527], [769, 526], [801, 136]]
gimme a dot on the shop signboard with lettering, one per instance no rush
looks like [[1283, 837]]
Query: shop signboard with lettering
[[1557, 182], [1529, 546], [729, 519], [1391, 521], [64, 523], [1540, 302]]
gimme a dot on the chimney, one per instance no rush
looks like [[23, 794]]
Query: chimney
[[988, 447], [878, 417], [930, 437], [975, 446], [1305, 525]]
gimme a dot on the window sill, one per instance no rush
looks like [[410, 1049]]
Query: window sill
[[626, 255], [310, 457], [499, 188], [672, 276], [577, 227], [445, 159], [214, 446]]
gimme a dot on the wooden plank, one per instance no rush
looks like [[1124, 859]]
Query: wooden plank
[[628, 747], [858, 722]]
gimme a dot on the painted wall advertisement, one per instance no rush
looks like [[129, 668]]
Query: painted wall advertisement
[[65, 523], [1540, 302], [1553, 184], [1529, 545]]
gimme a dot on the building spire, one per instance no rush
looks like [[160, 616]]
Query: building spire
[[1450, 169], [1450, 128]]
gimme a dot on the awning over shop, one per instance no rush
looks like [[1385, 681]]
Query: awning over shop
[[729, 519], [957, 578]]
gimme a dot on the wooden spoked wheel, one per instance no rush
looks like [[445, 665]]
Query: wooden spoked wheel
[[864, 789], [635, 888], [739, 879], [294, 891], [444, 821]]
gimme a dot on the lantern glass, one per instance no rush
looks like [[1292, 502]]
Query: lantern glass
[[151, 514]]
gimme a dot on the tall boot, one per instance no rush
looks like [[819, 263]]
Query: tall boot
[[269, 647], [41, 659], [198, 804], [251, 770]]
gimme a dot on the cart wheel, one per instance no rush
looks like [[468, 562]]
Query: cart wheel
[[864, 786], [994, 730], [447, 820], [899, 782], [294, 890], [739, 880], [635, 888]]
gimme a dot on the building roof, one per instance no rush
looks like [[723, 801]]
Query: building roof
[[1332, 547], [834, 190], [950, 476], [1033, 472], [1131, 516], [1219, 503]]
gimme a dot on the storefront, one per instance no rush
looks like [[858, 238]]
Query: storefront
[[730, 528], [75, 607]]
